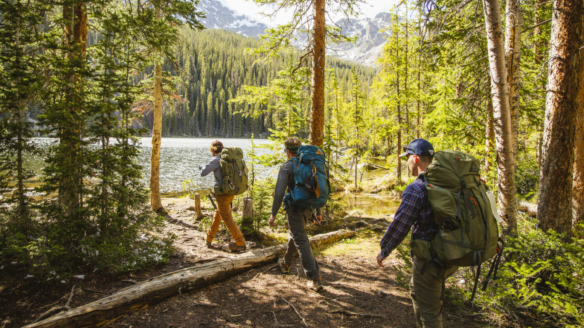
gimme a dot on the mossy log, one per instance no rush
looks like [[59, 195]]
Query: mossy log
[[156, 289]]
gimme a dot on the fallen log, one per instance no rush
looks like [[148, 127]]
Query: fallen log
[[156, 289], [529, 208]]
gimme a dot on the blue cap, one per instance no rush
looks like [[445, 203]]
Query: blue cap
[[420, 147]]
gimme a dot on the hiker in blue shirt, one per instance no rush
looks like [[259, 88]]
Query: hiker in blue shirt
[[298, 242]]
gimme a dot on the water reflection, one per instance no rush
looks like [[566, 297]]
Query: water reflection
[[370, 204]]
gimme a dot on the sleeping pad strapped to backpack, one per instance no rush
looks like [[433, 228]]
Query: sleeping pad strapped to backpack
[[311, 179], [468, 234], [234, 172]]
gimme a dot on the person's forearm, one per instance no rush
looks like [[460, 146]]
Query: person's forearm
[[280, 191], [209, 167]]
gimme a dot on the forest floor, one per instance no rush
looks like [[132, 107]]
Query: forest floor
[[357, 292]]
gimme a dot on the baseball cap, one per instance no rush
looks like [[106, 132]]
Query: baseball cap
[[419, 147]]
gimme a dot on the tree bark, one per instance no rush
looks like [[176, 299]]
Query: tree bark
[[555, 200], [490, 136], [318, 65], [578, 188], [159, 288], [502, 115], [155, 201], [512, 60], [399, 126]]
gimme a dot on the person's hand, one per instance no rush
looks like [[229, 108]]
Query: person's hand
[[380, 260], [272, 220]]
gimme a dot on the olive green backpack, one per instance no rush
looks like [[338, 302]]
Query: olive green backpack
[[468, 234], [234, 172]]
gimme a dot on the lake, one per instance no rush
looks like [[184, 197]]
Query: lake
[[179, 160]]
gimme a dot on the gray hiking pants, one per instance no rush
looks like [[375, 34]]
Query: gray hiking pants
[[425, 290], [298, 242]]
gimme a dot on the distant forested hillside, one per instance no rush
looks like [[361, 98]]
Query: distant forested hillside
[[209, 69]]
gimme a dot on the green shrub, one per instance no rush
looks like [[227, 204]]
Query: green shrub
[[526, 175], [540, 281]]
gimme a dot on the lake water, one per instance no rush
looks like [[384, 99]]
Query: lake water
[[179, 160]]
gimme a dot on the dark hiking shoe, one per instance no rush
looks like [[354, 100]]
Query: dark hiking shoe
[[315, 284], [236, 248], [209, 244], [285, 268]]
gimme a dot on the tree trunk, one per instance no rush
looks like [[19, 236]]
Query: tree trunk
[[318, 65], [502, 115], [490, 136], [155, 201], [71, 186], [555, 200], [578, 188], [156, 289], [512, 60], [399, 127]]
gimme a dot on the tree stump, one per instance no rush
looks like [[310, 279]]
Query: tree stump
[[198, 213], [247, 215]]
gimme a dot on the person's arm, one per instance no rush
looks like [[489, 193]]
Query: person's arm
[[406, 215], [210, 167], [281, 185]]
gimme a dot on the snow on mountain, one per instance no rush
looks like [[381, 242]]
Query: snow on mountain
[[371, 37], [369, 31], [221, 17]]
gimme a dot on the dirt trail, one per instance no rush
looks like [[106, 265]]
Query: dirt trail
[[259, 298], [357, 292]]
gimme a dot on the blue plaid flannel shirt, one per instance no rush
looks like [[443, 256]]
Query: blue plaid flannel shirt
[[414, 210]]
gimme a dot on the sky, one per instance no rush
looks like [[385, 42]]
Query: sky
[[249, 8]]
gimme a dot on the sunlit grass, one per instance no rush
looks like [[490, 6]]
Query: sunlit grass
[[364, 244]]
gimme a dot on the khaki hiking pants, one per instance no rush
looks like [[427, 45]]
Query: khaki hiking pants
[[224, 212], [425, 290]]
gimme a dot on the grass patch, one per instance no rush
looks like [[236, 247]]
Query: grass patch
[[365, 244]]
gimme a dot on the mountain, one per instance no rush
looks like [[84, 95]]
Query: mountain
[[371, 37], [221, 17], [365, 51]]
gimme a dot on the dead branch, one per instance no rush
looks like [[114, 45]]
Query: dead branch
[[293, 307], [351, 313], [266, 270], [55, 310]]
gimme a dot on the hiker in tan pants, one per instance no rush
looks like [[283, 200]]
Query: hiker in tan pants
[[223, 211]]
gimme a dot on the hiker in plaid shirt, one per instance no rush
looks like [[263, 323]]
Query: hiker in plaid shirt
[[415, 210]]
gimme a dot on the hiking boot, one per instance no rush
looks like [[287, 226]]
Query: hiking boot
[[209, 244], [315, 284], [285, 268], [236, 248]]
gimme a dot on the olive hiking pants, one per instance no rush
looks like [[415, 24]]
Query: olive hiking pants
[[425, 291]]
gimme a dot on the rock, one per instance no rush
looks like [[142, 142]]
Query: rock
[[354, 214], [178, 255]]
